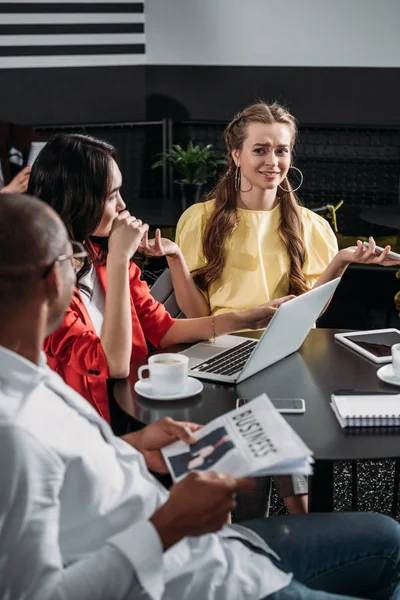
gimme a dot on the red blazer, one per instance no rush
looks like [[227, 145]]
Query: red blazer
[[75, 352]]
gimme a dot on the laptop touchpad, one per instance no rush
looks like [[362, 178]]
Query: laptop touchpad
[[202, 351]]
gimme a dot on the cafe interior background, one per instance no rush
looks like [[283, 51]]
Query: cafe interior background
[[148, 76]]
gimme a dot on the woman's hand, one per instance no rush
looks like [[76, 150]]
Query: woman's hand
[[361, 254], [19, 184], [259, 317], [126, 235], [158, 246]]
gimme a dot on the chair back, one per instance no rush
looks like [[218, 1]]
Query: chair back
[[162, 290]]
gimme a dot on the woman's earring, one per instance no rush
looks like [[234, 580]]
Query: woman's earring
[[237, 178], [300, 184]]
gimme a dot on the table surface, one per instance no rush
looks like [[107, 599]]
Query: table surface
[[388, 216], [321, 366]]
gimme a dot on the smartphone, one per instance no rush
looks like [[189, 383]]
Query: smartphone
[[379, 250], [289, 405], [282, 405]]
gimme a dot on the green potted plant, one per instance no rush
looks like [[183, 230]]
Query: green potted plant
[[194, 166]]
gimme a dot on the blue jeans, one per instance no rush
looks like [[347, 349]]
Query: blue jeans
[[335, 556]]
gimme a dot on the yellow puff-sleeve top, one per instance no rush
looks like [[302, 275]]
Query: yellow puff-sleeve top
[[257, 265]]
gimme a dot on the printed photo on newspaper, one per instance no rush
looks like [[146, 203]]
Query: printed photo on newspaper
[[252, 440]]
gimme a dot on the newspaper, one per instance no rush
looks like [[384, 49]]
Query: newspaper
[[34, 150], [253, 440]]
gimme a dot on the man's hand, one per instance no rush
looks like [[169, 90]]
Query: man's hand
[[152, 438], [198, 504], [19, 184]]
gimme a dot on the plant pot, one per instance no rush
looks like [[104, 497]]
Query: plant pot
[[190, 193]]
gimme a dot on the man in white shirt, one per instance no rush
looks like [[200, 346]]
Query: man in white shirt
[[82, 518]]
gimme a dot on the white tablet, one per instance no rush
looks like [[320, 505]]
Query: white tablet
[[375, 344]]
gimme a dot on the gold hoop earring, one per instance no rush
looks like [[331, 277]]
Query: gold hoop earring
[[300, 184], [238, 181], [237, 178]]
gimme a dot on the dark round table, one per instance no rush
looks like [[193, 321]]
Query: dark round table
[[321, 366], [388, 216]]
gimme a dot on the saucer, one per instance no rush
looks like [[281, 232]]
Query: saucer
[[193, 387], [386, 374]]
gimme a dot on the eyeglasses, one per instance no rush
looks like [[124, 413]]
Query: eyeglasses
[[76, 257]]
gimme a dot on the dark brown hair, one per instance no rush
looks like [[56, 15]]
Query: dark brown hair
[[224, 218], [72, 175]]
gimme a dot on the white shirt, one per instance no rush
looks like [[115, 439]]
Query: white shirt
[[75, 503], [96, 303]]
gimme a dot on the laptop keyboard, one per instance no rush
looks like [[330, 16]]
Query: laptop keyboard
[[229, 362]]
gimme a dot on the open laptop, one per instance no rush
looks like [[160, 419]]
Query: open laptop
[[233, 358]]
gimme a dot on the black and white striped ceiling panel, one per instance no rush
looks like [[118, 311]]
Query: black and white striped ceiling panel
[[71, 34]]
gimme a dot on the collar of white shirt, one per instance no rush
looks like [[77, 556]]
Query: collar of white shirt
[[19, 371]]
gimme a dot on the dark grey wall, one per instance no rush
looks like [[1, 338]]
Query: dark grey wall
[[324, 95], [72, 95]]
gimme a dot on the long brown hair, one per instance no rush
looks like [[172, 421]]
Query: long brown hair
[[224, 218]]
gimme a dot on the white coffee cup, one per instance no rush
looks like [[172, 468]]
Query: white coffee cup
[[168, 373], [396, 359]]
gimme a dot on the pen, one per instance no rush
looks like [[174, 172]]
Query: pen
[[352, 392]]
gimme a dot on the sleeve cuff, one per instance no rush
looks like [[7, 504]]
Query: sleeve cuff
[[163, 328], [141, 545]]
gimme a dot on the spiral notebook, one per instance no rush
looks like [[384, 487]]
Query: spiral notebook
[[367, 410]]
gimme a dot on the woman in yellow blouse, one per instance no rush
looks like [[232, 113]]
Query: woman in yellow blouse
[[257, 264], [251, 241]]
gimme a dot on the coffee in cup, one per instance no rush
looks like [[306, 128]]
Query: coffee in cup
[[166, 361], [168, 373]]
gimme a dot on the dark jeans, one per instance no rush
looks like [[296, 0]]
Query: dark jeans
[[335, 556]]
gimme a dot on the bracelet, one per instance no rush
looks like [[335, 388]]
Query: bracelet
[[213, 334]]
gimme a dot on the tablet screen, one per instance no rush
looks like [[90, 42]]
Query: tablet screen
[[379, 343]]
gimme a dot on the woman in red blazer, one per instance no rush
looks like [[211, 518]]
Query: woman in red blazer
[[112, 312], [75, 350]]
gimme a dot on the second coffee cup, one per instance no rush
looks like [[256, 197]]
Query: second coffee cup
[[168, 373], [396, 360]]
